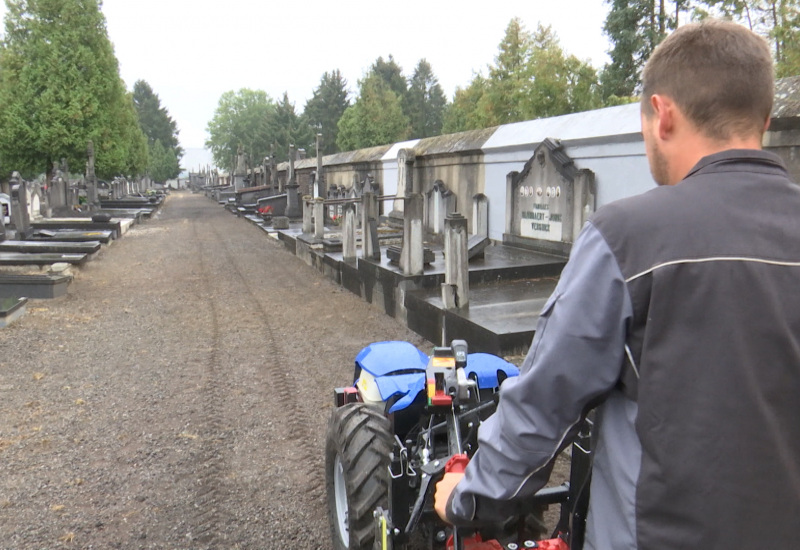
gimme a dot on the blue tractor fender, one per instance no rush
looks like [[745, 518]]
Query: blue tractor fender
[[399, 370]]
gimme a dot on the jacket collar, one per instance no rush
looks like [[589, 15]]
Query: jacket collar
[[770, 162]]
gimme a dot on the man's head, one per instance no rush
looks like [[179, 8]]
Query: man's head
[[712, 81]]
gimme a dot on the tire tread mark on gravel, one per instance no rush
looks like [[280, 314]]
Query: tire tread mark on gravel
[[296, 415], [208, 503]]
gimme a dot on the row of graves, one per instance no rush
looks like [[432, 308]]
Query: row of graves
[[51, 226], [413, 253], [464, 235]]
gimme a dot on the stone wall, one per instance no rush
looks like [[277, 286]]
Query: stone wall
[[606, 142]]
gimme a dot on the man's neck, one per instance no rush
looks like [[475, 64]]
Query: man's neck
[[696, 147]]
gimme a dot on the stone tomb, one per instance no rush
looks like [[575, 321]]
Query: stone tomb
[[440, 202], [548, 201]]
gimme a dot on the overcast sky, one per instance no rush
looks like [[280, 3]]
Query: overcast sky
[[192, 51]]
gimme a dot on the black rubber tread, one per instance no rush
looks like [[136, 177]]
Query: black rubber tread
[[361, 436]]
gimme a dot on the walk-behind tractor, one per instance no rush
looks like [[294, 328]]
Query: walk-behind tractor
[[406, 420]]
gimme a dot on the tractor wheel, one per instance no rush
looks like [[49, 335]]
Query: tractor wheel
[[357, 449]]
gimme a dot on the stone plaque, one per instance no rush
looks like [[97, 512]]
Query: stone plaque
[[541, 211], [548, 201]]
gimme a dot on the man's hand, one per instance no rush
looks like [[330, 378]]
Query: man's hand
[[443, 490]]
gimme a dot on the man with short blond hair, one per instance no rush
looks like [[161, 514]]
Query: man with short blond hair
[[678, 312]]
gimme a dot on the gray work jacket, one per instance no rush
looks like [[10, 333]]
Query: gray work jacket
[[679, 310]]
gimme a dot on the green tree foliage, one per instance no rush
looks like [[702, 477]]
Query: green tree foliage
[[326, 107], [60, 87], [241, 118], [376, 118], [776, 20], [289, 128], [635, 28], [557, 83], [133, 159], [162, 163], [154, 119], [509, 76], [468, 111], [532, 78], [159, 127], [392, 74], [425, 102]]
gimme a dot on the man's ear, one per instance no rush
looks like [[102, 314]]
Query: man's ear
[[664, 113], [766, 125]]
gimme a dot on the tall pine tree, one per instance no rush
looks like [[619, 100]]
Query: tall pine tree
[[159, 128], [289, 128], [635, 28], [60, 87], [376, 118], [425, 102], [326, 107]]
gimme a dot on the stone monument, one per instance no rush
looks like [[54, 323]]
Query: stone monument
[[455, 289], [320, 178], [19, 207], [405, 181], [292, 198], [240, 172], [92, 200]]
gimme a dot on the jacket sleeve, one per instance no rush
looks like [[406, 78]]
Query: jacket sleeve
[[575, 359]]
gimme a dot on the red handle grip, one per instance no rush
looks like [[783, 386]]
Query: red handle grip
[[457, 464]]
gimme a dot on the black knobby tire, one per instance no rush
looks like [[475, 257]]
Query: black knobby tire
[[357, 449]]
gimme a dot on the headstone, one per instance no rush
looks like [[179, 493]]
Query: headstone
[[405, 180], [273, 170], [307, 215], [290, 176], [280, 222], [19, 207], [439, 202], [319, 218], [480, 215], [455, 289], [549, 200], [240, 172], [92, 199], [369, 225], [412, 255], [349, 232], [314, 191], [320, 177], [293, 208], [36, 200], [5, 210]]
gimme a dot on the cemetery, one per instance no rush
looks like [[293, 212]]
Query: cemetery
[[269, 285], [461, 234], [51, 226]]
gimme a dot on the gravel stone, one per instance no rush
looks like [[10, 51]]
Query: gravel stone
[[178, 395]]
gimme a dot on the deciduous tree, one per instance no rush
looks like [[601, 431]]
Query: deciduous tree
[[776, 20], [241, 118]]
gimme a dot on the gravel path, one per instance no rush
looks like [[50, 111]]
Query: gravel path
[[178, 396]]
